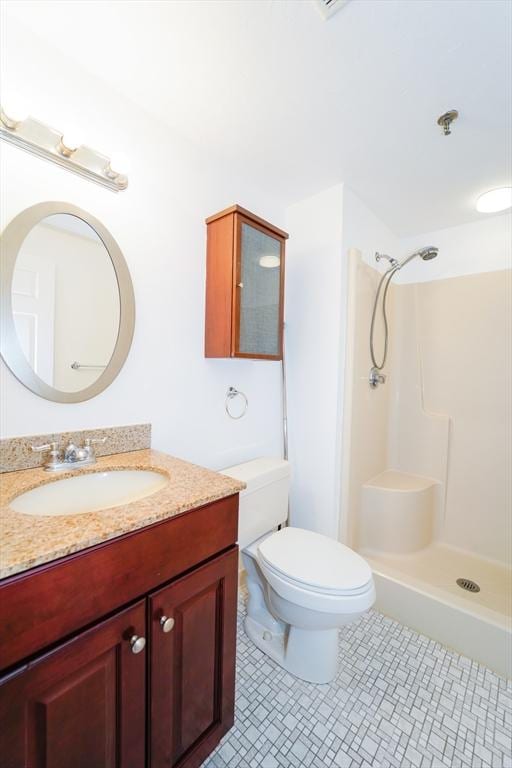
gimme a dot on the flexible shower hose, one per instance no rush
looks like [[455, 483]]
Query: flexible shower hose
[[385, 280]]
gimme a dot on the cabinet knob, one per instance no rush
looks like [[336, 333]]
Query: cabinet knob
[[167, 623], [240, 285], [137, 643]]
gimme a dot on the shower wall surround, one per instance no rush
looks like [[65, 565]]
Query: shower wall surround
[[365, 451], [445, 410], [463, 336]]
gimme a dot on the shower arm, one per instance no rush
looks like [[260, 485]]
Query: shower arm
[[379, 256]]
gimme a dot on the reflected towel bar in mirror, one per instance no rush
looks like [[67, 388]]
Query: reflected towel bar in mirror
[[76, 366]]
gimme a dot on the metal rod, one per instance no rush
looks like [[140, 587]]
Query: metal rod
[[76, 366], [284, 396]]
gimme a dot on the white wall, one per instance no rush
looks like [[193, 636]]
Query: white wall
[[323, 229], [481, 246], [365, 411], [363, 230], [313, 347], [159, 224]]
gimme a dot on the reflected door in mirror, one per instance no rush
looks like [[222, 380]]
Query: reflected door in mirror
[[66, 304], [33, 306]]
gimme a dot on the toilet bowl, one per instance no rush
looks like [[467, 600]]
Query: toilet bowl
[[302, 586]]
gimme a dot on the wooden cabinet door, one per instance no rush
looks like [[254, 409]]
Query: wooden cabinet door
[[259, 291], [193, 663], [81, 705]]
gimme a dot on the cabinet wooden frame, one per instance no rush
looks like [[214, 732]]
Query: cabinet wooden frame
[[223, 279], [39, 606]]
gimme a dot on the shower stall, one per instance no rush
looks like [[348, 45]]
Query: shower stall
[[427, 449]]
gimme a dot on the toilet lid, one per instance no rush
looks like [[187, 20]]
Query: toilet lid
[[315, 560]]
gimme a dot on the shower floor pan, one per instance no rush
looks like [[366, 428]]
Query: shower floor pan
[[421, 591]]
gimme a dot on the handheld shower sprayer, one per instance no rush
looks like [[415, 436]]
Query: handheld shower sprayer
[[427, 253]]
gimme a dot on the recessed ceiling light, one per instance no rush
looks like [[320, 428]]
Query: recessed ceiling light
[[495, 200]]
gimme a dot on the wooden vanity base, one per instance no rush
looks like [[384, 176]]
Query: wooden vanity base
[[79, 688]]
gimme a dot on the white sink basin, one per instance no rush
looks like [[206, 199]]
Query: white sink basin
[[90, 492]]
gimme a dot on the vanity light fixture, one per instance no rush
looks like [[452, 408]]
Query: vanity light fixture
[[495, 200], [41, 140]]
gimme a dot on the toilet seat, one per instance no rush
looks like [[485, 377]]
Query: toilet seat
[[316, 562], [322, 602], [309, 588], [316, 572]]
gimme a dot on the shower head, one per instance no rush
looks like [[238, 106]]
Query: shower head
[[430, 252], [427, 253]]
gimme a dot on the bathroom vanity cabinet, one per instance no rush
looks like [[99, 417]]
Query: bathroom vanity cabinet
[[244, 286], [123, 655]]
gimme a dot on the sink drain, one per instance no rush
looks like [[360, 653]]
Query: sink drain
[[467, 584]]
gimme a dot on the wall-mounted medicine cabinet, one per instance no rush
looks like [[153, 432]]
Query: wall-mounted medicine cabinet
[[244, 286]]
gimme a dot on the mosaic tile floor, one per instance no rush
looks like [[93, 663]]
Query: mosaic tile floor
[[400, 700]]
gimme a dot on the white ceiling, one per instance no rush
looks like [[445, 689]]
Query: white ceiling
[[297, 103]]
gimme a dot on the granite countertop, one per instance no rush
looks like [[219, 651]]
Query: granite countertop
[[30, 540]]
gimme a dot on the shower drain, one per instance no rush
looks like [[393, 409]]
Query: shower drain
[[470, 586]]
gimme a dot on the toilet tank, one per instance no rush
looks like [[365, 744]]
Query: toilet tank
[[264, 503]]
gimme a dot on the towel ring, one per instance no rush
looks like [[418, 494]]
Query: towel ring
[[232, 393]]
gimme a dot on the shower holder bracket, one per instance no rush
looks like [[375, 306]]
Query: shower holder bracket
[[375, 378]]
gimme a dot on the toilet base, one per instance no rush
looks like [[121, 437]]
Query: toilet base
[[311, 654], [302, 640]]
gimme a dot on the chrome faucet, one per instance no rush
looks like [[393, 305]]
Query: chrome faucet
[[71, 457]]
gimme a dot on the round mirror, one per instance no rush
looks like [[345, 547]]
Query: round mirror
[[67, 302]]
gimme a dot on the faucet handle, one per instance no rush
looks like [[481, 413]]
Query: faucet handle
[[55, 454], [45, 447], [92, 440], [89, 443]]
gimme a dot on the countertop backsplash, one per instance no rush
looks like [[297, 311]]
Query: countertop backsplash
[[16, 452]]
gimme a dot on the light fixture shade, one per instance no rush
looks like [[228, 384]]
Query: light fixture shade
[[270, 262], [119, 162], [16, 107], [495, 200], [72, 140]]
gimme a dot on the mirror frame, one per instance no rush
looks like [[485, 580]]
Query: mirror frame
[[11, 242]]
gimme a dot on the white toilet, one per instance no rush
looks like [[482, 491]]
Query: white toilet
[[302, 585]]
